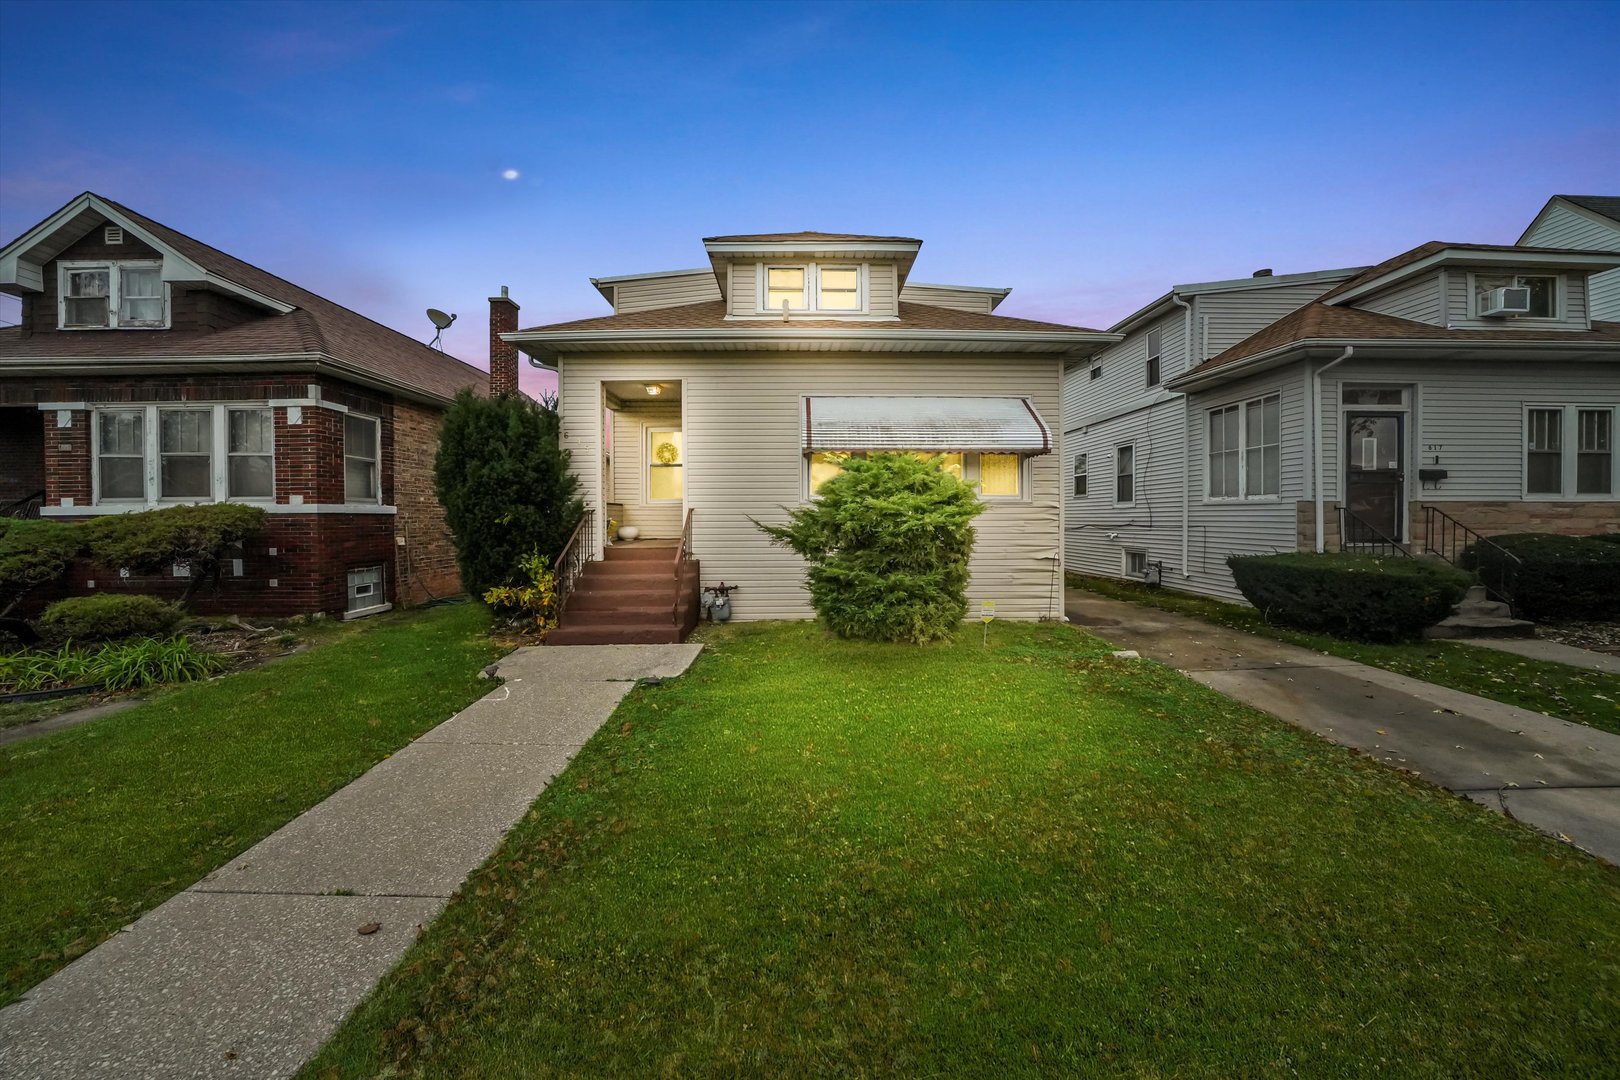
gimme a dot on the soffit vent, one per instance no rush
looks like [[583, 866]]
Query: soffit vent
[[113, 234]]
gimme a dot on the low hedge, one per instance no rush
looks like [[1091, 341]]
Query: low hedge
[[109, 617], [1558, 577], [1362, 597]]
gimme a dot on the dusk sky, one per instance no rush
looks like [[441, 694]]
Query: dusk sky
[[399, 156]]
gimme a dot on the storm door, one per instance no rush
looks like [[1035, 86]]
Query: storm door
[[1374, 476]]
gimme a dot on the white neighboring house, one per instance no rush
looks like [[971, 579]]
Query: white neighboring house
[[1591, 223], [729, 391], [1454, 383]]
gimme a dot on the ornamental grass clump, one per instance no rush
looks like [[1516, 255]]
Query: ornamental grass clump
[[888, 542], [133, 666]]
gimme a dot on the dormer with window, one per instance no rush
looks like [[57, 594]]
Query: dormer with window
[[821, 276], [111, 295]]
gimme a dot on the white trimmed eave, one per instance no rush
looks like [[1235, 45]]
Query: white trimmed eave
[[862, 339], [1401, 348], [604, 285], [1596, 262], [301, 362], [1558, 201], [22, 262], [1163, 305]]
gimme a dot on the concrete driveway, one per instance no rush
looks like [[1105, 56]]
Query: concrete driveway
[[1561, 777]]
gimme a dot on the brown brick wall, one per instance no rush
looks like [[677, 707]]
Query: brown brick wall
[[503, 355], [314, 552], [22, 453], [425, 565]]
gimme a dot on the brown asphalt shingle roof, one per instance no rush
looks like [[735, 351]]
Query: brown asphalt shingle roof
[[711, 315], [1607, 205], [795, 237], [1318, 321], [1423, 251], [318, 325]]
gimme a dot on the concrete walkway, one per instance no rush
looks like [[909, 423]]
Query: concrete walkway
[[247, 973], [1561, 777], [1542, 649]]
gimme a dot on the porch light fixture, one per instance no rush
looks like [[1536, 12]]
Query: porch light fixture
[[653, 389]]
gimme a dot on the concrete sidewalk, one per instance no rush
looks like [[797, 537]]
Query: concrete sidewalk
[[1542, 649], [247, 973], [1561, 777]]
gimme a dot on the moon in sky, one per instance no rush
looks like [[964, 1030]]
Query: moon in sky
[[509, 174]]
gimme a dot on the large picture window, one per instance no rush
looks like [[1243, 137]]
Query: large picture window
[[1245, 449], [183, 453], [997, 476]]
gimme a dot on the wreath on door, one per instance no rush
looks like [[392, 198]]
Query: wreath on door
[[666, 453]]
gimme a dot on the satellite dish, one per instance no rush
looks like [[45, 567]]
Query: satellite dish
[[441, 322]]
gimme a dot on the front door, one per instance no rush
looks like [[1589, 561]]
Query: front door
[[1374, 477]]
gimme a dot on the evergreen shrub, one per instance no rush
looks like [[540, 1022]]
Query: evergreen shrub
[[1361, 597], [888, 541]]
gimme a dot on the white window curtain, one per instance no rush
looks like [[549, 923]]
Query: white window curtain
[[140, 295]]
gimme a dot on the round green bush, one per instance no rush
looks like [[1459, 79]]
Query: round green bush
[[1361, 597], [109, 617], [888, 542], [1555, 577]]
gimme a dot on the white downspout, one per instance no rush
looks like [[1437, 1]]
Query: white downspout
[[1316, 436], [1186, 446]]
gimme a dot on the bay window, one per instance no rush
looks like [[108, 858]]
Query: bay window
[[111, 295]]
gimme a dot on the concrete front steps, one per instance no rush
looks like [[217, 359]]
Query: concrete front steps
[[631, 597], [1478, 616]]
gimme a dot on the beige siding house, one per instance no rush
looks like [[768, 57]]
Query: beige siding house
[[1454, 390], [710, 399]]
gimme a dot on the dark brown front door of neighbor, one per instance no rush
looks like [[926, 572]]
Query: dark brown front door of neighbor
[[1374, 477]]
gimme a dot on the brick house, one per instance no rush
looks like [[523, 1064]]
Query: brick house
[[150, 369]]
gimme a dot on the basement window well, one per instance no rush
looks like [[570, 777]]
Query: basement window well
[[366, 596]]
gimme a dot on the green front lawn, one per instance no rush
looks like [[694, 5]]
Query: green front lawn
[[101, 822], [1586, 697], [812, 857]]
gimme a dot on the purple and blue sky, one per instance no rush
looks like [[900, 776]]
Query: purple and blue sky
[[1087, 155]]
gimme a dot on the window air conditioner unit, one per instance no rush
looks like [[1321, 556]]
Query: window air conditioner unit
[[1514, 300]]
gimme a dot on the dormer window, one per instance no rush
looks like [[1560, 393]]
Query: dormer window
[[112, 295], [1543, 292], [813, 287]]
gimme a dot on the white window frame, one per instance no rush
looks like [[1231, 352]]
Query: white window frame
[[380, 595], [648, 464], [1153, 363], [812, 288], [229, 453], [1081, 476], [1118, 449], [970, 472], [1569, 453], [1125, 555], [152, 460], [1559, 298], [375, 459], [1243, 492], [114, 268]]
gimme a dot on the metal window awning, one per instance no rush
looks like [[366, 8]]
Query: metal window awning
[[938, 424]]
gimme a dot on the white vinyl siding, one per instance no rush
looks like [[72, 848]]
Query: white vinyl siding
[[666, 290], [1566, 227], [1225, 318], [1419, 300], [744, 459]]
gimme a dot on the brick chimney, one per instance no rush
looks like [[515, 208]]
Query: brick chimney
[[503, 355]]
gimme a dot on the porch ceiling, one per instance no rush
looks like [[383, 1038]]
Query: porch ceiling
[[633, 391]]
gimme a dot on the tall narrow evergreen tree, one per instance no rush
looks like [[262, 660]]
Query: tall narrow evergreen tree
[[502, 477]]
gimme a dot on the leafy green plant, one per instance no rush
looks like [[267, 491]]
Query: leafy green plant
[[154, 540], [109, 617], [114, 667], [503, 478], [1361, 597], [34, 553], [888, 543], [533, 603]]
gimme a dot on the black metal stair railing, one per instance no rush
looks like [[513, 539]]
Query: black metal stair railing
[[1357, 535], [1457, 544]]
